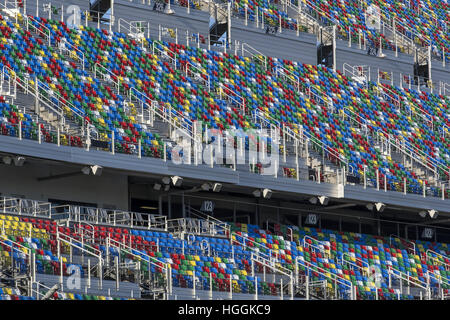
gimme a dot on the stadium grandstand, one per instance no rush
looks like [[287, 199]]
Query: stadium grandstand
[[217, 150]]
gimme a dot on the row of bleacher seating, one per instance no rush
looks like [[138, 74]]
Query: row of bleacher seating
[[261, 89], [222, 264]]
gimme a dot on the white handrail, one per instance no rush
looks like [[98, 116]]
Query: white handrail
[[429, 252], [62, 45], [276, 267], [163, 52], [4, 239], [225, 226], [321, 271], [438, 278], [411, 279], [267, 257], [301, 136], [361, 268], [79, 245], [243, 50], [109, 75], [222, 89], [199, 73], [402, 239], [288, 74], [306, 244], [122, 22], [141, 256], [41, 25], [165, 113]]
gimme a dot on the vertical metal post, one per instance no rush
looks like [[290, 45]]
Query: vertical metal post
[[334, 48], [404, 185], [193, 285], [281, 289], [349, 37], [443, 57], [89, 273], [100, 272], [262, 19], [246, 13], [359, 39], [229, 23], [257, 17], [307, 287], [112, 142], [210, 287], [390, 279], [60, 271], [139, 147], [116, 262], [424, 189], [364, 177], [378, 179], [279, 27]]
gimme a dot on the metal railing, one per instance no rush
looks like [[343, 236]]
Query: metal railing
[[332, 278], [430, 254], [26, 207], [393, 236], [73, 51], [411, 280], [111, 217], [136, 29], [246, 48]]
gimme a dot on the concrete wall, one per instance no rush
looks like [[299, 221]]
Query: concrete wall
[[108, 190]]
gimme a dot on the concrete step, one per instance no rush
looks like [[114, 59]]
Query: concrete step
[[187, 294], [108, 287]]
